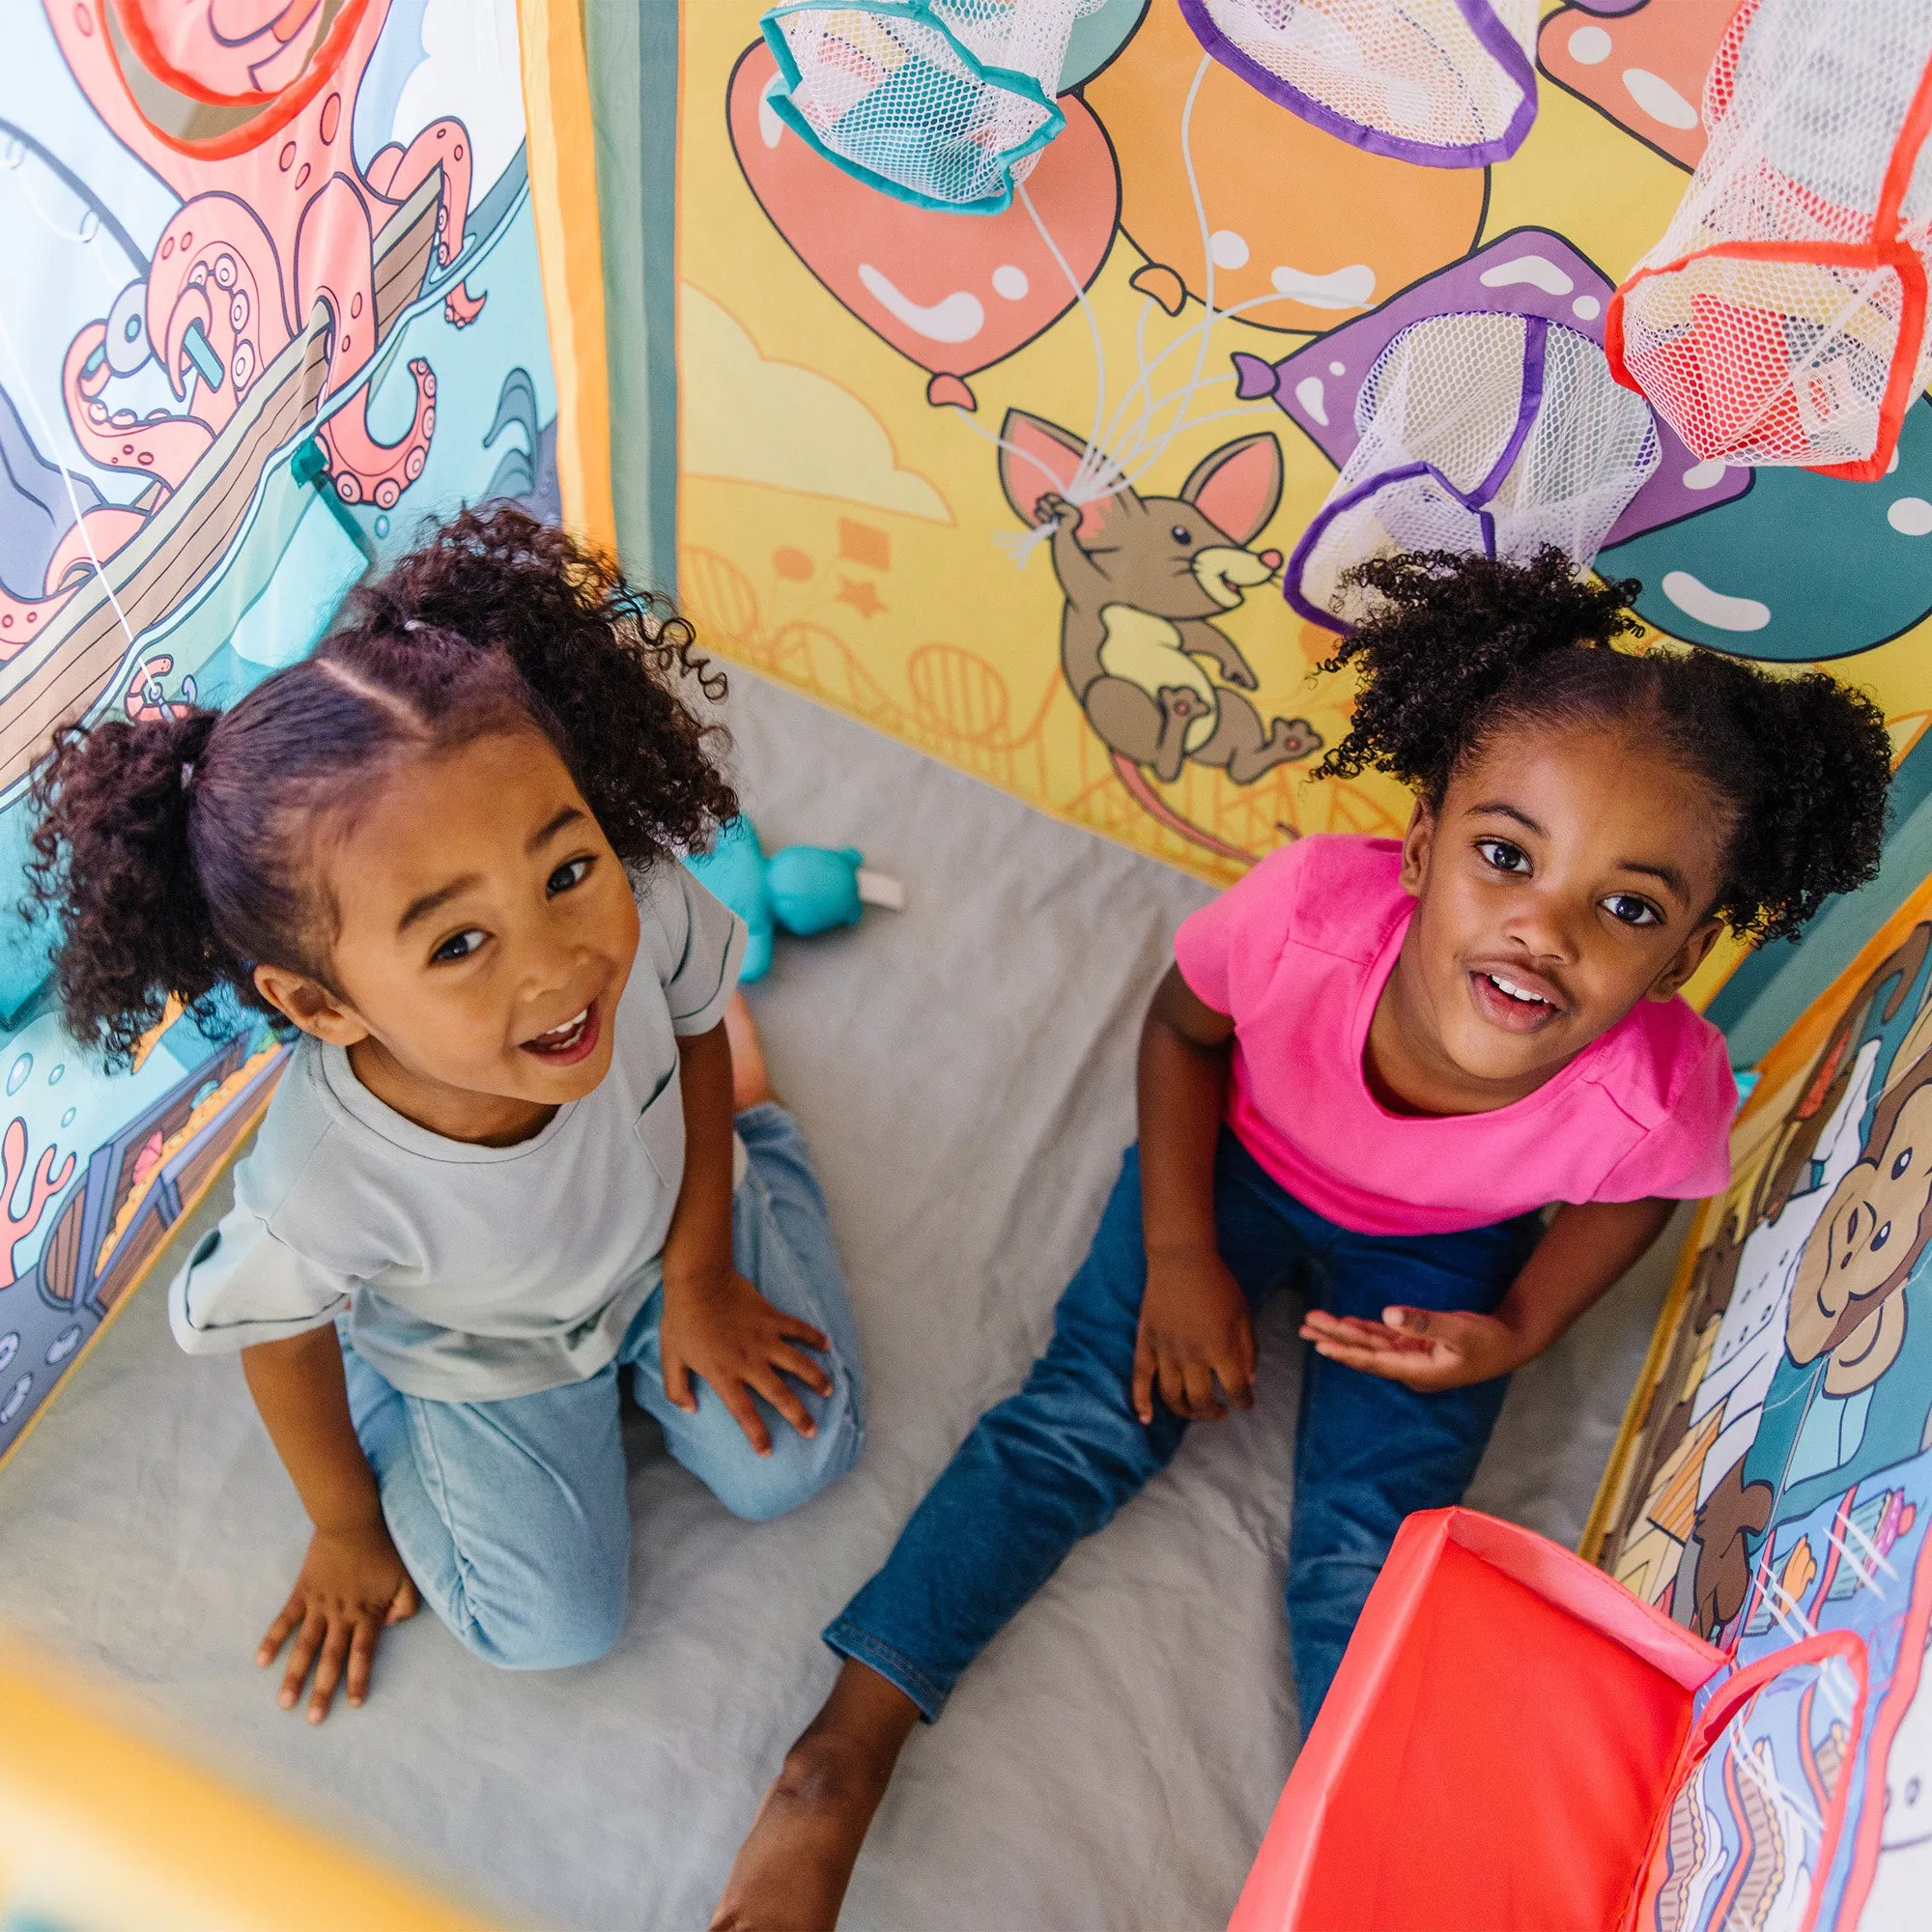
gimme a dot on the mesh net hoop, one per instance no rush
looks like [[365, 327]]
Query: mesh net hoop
[[1447, 83], [1781, 319], [1487, 431], [944, 103]]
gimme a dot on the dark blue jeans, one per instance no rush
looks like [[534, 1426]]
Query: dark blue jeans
[[1053, 1462]]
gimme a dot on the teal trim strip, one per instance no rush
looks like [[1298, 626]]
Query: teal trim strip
[[1767, 993], [632, 47]]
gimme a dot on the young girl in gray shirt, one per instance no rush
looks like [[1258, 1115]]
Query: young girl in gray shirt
[[502, 1164]]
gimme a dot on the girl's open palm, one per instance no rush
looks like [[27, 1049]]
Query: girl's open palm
[[725, 1331], [1425, 1349], [352, 1587]]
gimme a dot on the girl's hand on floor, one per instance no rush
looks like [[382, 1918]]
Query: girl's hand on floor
[[727, 1332], [352, 1587], [1425, 1349], [1194, 1331]]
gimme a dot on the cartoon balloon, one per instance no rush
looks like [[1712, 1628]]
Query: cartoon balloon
[[1311, 229], [953, 293], [1800, 567], [1098, 37], [1645, 68]]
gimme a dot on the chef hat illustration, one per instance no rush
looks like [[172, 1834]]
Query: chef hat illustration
[[944, 104], [1783, 317], [1483, 431], [1449, 83]]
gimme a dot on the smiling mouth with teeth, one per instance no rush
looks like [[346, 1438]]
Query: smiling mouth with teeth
[[1509, 988], [562, 1039]]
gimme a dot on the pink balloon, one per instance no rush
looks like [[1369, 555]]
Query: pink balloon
[[954, 293]]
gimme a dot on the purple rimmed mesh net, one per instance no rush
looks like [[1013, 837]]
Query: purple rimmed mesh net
[[1483, 431], [1448, 83]]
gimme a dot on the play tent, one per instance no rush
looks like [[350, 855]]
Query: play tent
[[278, 294]]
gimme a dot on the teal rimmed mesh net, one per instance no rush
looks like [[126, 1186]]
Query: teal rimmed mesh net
[[943, 103]]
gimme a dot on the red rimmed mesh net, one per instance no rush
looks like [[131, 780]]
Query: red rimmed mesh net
[[1787, 360]]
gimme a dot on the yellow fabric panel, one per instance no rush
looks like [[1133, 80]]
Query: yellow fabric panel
[[563, 195]]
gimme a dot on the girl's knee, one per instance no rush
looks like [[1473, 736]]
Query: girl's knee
[[758, 1488], [544, 1636], [541, 1609]]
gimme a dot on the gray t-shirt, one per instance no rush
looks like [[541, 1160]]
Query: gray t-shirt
[[472, 1273]]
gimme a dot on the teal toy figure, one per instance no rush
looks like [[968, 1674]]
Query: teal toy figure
[[801, 889]]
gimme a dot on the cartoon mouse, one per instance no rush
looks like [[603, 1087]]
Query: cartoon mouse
[[1141, 575]]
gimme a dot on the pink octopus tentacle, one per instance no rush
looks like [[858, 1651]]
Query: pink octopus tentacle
[[444, 145], [336, 266], [365, 470], [99, 534], [167, 448]]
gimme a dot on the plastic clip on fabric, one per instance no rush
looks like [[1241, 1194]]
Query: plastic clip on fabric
[[1446, 83], [944, 104], [1486, 431], [1783, 317]]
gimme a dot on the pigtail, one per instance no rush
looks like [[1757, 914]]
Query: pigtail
[[112, 868], [1444, 635], [1815, 824], [604, 661]]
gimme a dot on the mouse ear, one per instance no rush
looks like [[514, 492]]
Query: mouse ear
[[1037, 459], [1237, 487]]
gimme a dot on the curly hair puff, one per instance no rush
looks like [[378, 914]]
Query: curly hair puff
[[1457, 649], [174, 853]]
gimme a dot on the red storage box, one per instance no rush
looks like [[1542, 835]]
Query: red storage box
[[1497, 1749]]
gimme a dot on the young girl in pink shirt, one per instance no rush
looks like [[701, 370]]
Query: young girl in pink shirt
[[1371, 1067]]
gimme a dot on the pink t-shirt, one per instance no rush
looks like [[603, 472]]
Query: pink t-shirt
[[1296, 955]]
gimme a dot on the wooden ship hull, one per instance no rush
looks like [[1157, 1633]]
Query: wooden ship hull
[[65, 671], [115, 1216]]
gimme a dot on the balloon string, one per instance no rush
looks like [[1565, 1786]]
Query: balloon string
[[1133, 476], [1206, 321], [1093, 326], [1179, 343]]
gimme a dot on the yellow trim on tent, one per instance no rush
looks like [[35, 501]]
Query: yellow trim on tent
[[102, 1828], [563, 200]]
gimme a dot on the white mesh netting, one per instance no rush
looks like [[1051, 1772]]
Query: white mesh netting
[[942, 101], [1800, 336], [1441, 81], [1480, 431]]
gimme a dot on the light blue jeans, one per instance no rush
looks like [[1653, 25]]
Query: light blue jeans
[[511, 1515]]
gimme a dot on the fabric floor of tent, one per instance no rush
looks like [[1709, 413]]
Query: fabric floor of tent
[[964, 1071]]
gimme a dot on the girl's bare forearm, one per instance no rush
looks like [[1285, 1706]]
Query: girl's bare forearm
[[303, 1399], [1182, 1086], [700, 1241], [1583, 1250]]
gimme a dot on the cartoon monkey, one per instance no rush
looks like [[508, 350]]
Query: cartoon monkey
[[1142, 577], [1845, 1304]]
